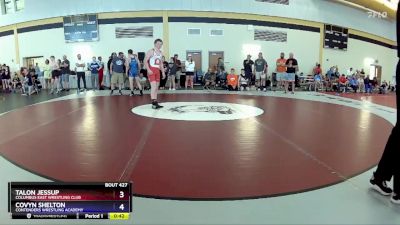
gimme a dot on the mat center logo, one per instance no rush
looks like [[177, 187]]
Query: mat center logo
[[199, 111], [202, 108]]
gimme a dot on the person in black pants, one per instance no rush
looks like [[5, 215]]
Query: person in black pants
[[248, 69], [389, 165], [80, 72]]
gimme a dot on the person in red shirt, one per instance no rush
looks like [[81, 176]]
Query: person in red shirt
[[343, 83], [317, 69], [232, 80], [101, 71]]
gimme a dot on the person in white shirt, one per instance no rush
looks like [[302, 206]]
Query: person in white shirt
[[154, 65], [80, 72], [189, 68], [350, 72]]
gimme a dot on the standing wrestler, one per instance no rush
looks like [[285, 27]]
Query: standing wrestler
[[153, 63]]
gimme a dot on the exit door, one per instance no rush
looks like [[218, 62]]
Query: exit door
[[376, 71], [213, 59], [31, 61]]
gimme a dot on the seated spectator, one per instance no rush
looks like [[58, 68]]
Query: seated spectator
[[317, 69], [318, 82], [268, 82], [209, 79], [392, 87], [368, 84], [16, 83], [383, 88], [243, 81], [375, 84], [232, 81], [27, 84], [330, 73], [343, 82], [335, 84], [35, 82], [143, 80], [353, 83], [221, 78], [328, 83]]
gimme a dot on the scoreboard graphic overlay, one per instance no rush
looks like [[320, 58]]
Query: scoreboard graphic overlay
[[47, 200]]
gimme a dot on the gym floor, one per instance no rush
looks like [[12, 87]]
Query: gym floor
[[207, 157]]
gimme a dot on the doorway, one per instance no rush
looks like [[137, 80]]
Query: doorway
[[31, 61], [213, 59], [376, 71]]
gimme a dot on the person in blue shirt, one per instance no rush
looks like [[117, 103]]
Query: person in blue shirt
[[330, 73], [318, 82], [132, 71], [94, 68], [353, 83]]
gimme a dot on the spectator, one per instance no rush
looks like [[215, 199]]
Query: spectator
[[28, 82], [47, 74], [220, 68], [281, 70], [80, 72], [362, 73], [243, 81], [55, 74], [173, 69], [317, 69], [66, 71], [179, 70], [6, 79], [383, 88], [37, 69], [163, 81], [133, 69], [101, 72], [208, 79], [94, 68], [318, 81], [361, 86], [330, 73], [260, 71], [232, 80], [368, 84], [353, 83], [110, 59], [374, 83], [350, 72], [343, 83], [189, 68], [143, 80], [248, 67], [291, 69], [16, 83], [117, 73]]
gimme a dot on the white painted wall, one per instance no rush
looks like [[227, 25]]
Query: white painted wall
[[7, 51], [325, 11], [360, 55], [51, 42], [238, 41]]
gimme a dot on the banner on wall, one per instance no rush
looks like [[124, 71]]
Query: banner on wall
[[134, 32]]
